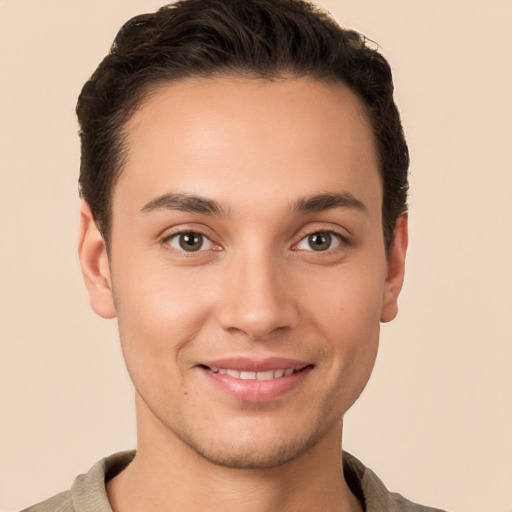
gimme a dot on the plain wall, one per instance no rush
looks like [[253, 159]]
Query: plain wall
[[435, 422]]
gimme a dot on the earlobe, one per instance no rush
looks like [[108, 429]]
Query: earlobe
[[93, 256], [395, 270]]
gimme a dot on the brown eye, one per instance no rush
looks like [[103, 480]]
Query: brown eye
[[189, 241], [319, 241]]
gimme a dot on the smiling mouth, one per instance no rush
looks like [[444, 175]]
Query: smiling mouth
[[256, 380], [249, 375]]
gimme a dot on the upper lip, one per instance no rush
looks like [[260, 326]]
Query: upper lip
[[256, 365]]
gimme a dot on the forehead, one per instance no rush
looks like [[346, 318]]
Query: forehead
[[237, 139]]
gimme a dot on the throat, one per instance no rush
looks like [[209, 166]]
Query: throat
[[145, 485]]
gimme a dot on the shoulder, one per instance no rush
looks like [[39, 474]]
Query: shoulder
[[368, 487], [401, 504], [88, 492], [59, 503]]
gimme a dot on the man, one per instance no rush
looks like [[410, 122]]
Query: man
[[244, 181]]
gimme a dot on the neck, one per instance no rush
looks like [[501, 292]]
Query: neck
[[166, 472]]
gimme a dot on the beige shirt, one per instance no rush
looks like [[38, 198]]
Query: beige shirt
[[88, 493]]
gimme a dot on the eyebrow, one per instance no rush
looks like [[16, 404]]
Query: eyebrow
[[203, 206], [184, 203], [328, 201]]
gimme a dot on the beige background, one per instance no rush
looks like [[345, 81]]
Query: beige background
[[436, 420]]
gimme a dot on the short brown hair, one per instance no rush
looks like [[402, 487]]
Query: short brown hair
[[255, 38]]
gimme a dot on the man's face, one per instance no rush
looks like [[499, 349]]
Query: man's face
[[247, 263]]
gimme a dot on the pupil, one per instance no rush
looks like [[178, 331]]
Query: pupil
[[191, 241], [320, 241]]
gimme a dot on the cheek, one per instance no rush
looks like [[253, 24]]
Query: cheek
[[157, 316], [346, 310], [346, 300], [152, 294]]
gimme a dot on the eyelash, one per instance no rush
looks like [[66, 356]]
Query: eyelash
[[342, 241], [333, 237], [166, 240]]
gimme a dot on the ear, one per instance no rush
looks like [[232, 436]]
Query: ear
[[396, 269], [92, 252]]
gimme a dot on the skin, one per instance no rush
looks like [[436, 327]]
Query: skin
[[257, 288]]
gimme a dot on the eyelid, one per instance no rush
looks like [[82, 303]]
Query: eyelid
[[180, 230], [335, 240], [322, 228], [206, 243], [304, 233]]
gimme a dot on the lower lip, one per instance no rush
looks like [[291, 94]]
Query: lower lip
[[252, 390]]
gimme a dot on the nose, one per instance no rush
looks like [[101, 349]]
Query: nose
[[258, 300]]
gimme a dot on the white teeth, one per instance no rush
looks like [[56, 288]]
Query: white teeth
[[244, 375], [268, 375]]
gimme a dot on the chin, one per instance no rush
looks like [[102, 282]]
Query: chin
[[252, 451], [252, 457]]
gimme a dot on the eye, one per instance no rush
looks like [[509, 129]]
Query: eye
[[189, 241], [320, 241]]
